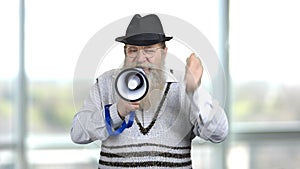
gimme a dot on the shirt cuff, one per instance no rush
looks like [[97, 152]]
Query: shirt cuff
[[202, 103], [115, 118]]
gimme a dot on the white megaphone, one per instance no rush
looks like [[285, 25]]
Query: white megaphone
[[132, 84]]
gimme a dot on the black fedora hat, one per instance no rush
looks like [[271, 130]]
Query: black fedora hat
[[143, 31]]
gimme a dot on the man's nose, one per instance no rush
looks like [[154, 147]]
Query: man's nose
[[141, 57]]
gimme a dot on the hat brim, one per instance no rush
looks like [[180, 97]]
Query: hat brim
[[143, 39]]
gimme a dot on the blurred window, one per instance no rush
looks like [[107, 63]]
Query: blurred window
[[265, 87], [9, 57], [264, 51]]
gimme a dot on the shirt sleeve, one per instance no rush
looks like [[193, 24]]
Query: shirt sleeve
[[89, 123], [208, 117]]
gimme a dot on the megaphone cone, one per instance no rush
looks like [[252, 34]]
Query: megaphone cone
[[132, 84]]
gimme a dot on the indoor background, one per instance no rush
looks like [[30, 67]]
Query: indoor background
[[257, 42]]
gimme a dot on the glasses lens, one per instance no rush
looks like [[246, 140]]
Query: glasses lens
[[132, 51], [150, 51]]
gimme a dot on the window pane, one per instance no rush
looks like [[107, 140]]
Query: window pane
[[50, 60], [56, 158], [9, 54], [264, 154], [6, 159], [264, 50]]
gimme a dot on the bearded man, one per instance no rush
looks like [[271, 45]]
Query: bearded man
[[156, 131]]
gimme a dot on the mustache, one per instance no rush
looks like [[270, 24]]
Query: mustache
[[143, 65]]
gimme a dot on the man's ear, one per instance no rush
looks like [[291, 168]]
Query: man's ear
[[125, 50], [165, 51]]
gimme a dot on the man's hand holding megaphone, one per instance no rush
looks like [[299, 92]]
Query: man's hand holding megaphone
[[125, 107]]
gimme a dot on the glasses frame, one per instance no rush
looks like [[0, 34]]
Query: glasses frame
[[147, 55]]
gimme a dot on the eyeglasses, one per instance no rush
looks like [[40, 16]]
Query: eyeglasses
[[132, 52]]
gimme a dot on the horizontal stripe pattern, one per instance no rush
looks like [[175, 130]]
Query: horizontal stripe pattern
[[146, 144], [146, 164], [143, 155]]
